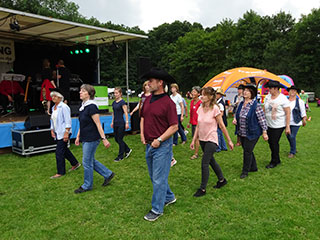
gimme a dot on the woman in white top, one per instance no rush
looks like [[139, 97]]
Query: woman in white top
[[277, 109], [298, 118], [61, 130], [177, 99]]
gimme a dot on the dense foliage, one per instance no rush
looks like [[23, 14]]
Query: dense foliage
[[193, 54]]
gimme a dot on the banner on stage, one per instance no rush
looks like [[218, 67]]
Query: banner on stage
[[7, 53]]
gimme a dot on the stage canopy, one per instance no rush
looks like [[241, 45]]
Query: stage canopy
[[39, 28], [236, 76]]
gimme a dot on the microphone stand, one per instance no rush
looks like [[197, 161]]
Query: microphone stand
[[58, 76]]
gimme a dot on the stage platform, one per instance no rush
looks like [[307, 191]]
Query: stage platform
[[16, 122]]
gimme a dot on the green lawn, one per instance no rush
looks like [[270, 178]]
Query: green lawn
[[280, 203]]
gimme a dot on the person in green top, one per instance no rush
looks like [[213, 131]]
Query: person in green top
[[305, 98]]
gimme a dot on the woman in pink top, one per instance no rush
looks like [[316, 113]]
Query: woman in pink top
[[209, 117], [194, 105]]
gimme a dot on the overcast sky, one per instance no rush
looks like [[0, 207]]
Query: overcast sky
[[148, 14]]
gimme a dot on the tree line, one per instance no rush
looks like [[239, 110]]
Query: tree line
[[194, 54]]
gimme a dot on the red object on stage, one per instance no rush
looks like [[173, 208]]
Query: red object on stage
[[46, 85]]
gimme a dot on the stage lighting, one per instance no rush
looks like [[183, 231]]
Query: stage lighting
[[71, 52], [14, 25], [87, 50], [76, 51]]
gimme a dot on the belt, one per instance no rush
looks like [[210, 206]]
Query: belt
[[149, 141]]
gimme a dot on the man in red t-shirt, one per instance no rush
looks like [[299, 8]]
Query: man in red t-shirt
[[158, 123]]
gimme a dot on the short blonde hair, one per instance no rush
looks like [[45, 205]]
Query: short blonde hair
[[175, 86]]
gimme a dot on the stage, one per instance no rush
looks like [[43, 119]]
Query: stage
[[16, 122]]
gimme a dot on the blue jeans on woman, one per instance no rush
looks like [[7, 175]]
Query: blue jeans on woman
[[292, 139], [90, 164], [159, 164], [222, 143], [180, 131]]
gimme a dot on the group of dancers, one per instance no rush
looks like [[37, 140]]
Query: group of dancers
[[160, 119]]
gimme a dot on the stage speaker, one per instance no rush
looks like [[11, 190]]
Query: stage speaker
[[135, 119], [144, 65], [34, 122]]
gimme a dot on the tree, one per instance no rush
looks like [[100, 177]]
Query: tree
[[200, 55], [278, 53], [306, 51]]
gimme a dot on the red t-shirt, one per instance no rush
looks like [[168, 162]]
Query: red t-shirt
[[10, 87], [193, 112], [158, 116]]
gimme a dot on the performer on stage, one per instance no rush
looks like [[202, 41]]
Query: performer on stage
[[63, 81], [11, 93], [47, 83]]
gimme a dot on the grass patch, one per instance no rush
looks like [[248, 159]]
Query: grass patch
[[280, 203]]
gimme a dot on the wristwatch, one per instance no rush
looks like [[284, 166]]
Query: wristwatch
[[104, 138], [159, 139]]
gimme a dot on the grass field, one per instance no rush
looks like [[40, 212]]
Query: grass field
[[280, 203]]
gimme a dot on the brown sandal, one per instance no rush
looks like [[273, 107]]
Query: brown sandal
[[195, 156]]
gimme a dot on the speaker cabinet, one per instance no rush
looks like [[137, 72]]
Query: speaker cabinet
[[34, 122]]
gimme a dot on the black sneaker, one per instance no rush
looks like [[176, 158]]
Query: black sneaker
[[170, 202], [118, 159], [128, 153], [107, 180], [221, 184], [80, 190], [151, 216], [243, 175], [199, 193], [271, 165]]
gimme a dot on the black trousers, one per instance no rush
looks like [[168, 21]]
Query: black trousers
[[249, 161], [119, 132], [274, 135], [209, 148], [62, 153]]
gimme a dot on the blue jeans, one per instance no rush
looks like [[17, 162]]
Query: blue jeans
[[222, 143], [292, 138], [90, 164], [180, 131], [159, 163]]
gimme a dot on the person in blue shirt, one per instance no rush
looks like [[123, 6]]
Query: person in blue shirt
[[119, 125], [89, 134], [61, 130]]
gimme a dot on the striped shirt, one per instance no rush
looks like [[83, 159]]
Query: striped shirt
[[243, 118]]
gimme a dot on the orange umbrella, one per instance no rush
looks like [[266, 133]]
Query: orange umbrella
[[236, 76]]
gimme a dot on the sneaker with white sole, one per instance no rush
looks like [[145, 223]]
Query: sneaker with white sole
[[151, 216], [128, 153], [170, 202], [173, 162]]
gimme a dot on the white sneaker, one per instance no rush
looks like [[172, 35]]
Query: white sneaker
[[128, 153], [173, 162]]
